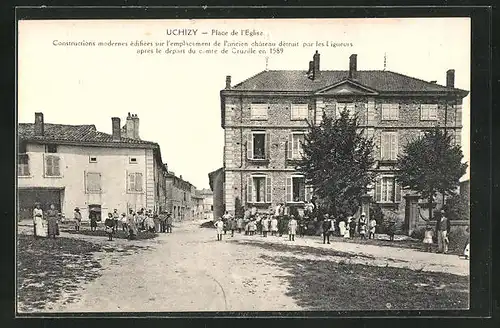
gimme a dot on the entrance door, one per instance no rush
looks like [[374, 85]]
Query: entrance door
[[28, 197]]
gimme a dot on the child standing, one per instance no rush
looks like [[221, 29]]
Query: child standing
[[78, 219], [109, 224], [292, 228], [219, 225], [362, 230], [428, 234]]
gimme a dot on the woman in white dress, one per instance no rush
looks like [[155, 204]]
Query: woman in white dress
[[40, 229], [342, 228], [219, 225]]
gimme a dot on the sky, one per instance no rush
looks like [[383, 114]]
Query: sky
[[176, 96]]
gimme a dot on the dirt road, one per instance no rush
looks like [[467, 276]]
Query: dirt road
[[189, 270]]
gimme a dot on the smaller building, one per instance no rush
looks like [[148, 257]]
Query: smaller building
[[217, 185], [197, 206], [179, 197], [208, 203]]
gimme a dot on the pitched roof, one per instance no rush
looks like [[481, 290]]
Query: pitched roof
[[79, 134], [382, 81]]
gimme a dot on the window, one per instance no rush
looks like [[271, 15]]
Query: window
[[387, 190], [51, 148], [92, 159], [184, 196], [351, 109], [133, 160], [93, 182], [211, 207], [259, 189], [134, 183], [299, 111], [52, 166], [258, 145], [389, 145], [428, 112], [390, 112], [258, 111], [23, 168], [295, 142]]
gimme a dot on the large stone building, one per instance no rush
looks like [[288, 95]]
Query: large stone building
[[77, 166], [264, 122]]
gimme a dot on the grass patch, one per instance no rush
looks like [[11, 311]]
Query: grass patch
[[329, 286], [46, 268], [118, 235], [300, 250]]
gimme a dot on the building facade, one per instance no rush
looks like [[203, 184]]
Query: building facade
[[216, 181], [77, 166], [179, 197], [264, 121], [208, 203]]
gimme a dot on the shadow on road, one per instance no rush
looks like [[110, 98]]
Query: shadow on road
[[299, 249], [323, 285]]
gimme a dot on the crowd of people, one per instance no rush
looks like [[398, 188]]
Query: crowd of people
[[46, 224]]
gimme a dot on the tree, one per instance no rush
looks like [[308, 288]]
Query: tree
[[337, 162], [430, 164]]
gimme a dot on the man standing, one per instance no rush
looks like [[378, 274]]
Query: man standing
[[442, 230], [327, 224], [265, 225], [116, 216], [225, 221], [169, 223], [373, 225]]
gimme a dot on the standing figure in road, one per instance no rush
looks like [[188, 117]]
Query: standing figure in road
[[232, 225], [116, 217], [292, 228], [124, 222], [373, 225], [362, 229], [265, 225], [327, 225], [342, 228], [252, 227], [219, 226], [225, 219], [109, 226], [132, 225], [239, 224], [392, 230], [274, 226], [40, 230], [352, 228], [78, 219], [53, 227], [428, 234], [170, 222], [443, 229]]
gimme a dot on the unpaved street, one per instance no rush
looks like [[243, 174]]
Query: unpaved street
[[189, 270]]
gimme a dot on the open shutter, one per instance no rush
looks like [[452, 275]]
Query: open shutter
[[249, 190], [269, 190], [268, 146], [138, 181], [290, 146], [394, 145], [55, 166], [397, 191], [424, 112], [378, 189], [397, 108], [131, 182], [250, 145], [383, 146], [433, 112], [308, 192], [302, 193], [288, 189]]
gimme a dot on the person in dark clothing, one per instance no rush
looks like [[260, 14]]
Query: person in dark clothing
[[352, 228], [327, 224], [109, 224]]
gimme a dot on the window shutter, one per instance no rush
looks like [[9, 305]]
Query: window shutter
[[336, 110], [131, 182], [397, 192], [308, 192], [433, 112], [55, 166], [249, 189], [267, 153], [394, 145], [290, 146], [250, 145], [269, 189], [384, 145], [289, 189], [378, 189], [302, 193], [424, 112], [138, 181], [397, 107]]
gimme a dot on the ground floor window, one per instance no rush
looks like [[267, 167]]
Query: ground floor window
[[296, 189], [259, 189], [387, 190]]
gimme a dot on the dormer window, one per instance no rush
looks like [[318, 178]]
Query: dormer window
[[133, 160], [51, 148]]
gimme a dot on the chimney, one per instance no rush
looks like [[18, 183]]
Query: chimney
[[129, 127], [310, 72], [39, 125], [136, 126], [316, 62], [352, 66], [115, 123], [228, 82], [450, 78], [433, 81]]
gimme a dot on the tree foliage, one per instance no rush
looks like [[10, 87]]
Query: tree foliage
[[337, 162], [430, 164]]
